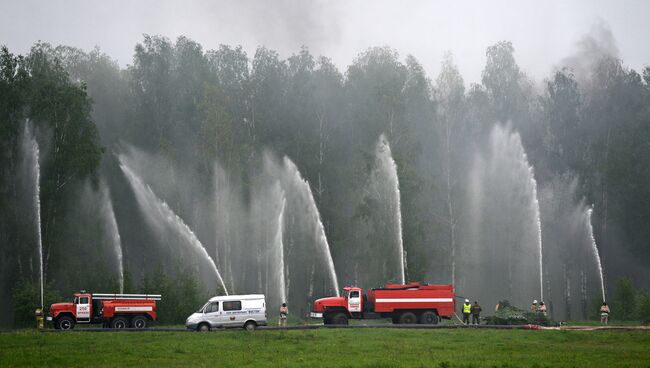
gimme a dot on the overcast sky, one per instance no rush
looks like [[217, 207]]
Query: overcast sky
[[542, 32]]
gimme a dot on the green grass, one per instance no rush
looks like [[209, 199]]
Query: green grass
[[332, 348], [611, 323]]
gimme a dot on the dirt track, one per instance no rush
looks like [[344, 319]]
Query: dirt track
[[392, 326]]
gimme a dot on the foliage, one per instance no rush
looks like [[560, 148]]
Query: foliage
[[37, 92], [624, 303], [180, 295], [26, 298], [643, 307], [508, 314], [198, 109], [630, 303]]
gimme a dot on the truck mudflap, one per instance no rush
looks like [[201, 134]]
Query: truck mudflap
[[315, 315]]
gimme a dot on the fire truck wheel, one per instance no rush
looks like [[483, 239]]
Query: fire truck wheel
[[340, 319], [139, 322], [203, 327], [408, 318], [250, 326], [119, 322], [65, 323], [429, 318]]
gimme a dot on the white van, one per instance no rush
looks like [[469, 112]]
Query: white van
[[247, 311]]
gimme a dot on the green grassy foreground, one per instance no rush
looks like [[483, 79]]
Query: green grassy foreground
[[332, 348]]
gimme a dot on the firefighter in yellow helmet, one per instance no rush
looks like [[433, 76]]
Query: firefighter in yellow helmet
[[467, 310]]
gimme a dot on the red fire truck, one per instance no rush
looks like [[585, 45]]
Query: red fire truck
[[402, 303], [111, 310]]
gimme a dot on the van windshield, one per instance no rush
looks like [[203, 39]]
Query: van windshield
[[203, 307]]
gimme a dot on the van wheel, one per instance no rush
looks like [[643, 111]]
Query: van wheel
[[340, 319], [139, 322], [65, 323], [203, 327], [408, 318], [250, 326], [119, 322], [429, 318]]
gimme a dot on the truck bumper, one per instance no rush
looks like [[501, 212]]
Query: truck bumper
[[191, 326], [316, 315]]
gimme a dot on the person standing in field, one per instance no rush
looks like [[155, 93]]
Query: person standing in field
[[467, 310], [542, 308], [284, 312], [476, 313], [533, 307], [604, 314]]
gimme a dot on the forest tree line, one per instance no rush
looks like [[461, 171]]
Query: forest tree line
[[195, 107]]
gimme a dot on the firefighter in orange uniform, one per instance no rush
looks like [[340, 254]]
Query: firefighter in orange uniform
[[604, 313], [284, 312]]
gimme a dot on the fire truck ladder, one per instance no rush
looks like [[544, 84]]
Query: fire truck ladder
[[127, 296]]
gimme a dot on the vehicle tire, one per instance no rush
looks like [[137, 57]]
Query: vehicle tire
[[340, 319], [250, 326], [139, 322], [203, 327], [408, 318], [429, 318], [119, 322], [65, 323]]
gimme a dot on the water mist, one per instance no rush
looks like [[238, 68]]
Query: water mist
[[160, 215]]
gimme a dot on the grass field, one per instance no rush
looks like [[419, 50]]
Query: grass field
[[331, 348]]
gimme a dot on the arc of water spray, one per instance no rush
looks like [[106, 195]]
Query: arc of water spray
[[590, 230], [538, 221], [144, 194], [392, 168], [115, 234], [37, 203], [320, 230], [398, 198], [280, 250]]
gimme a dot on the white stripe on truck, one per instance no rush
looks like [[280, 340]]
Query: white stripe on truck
[[415, 300], [133, 309]]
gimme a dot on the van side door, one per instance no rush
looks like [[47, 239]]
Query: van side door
[[232, 313]]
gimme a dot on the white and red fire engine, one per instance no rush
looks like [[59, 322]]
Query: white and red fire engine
[[111, 310], [402, 303]]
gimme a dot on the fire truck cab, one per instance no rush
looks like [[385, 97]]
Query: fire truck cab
[[110, 310]]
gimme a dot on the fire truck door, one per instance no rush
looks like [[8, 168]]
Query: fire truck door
[[354, 301], [83, 309]]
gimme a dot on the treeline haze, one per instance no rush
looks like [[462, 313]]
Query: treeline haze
[[193, 172]]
